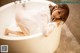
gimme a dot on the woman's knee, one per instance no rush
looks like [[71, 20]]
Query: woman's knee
[[18, 17]]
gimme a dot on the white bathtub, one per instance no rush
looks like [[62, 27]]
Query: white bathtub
[[26, 44]]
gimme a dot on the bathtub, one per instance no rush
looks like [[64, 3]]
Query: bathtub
[[36, 43]]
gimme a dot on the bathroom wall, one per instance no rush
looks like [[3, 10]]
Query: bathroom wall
[[55, 0], [66, 0], [71, 0]]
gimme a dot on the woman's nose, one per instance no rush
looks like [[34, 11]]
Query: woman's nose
[[58, 16]]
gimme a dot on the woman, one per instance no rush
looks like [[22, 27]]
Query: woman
[[58, 14]]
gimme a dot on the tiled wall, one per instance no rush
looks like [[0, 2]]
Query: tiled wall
[[71, 0], [66, 0]]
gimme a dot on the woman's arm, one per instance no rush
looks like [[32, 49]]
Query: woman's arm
[[48, 29]]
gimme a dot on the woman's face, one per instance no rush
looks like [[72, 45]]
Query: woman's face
[[58, 13]]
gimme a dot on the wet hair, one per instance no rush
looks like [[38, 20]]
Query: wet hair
[[61, 6]]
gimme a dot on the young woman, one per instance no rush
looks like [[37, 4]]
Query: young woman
[[58, 14]]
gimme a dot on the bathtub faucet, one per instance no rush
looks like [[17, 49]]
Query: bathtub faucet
[[24, 2]]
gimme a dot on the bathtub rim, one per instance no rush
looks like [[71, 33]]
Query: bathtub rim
[[21, 37], [12, 3]]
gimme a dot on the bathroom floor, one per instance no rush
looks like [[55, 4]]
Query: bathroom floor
[[68, 43]]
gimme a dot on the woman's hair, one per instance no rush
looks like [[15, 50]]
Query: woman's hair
[[61, 6]]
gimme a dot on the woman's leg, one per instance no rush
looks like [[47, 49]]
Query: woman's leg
[[8, 31], [21, 23]]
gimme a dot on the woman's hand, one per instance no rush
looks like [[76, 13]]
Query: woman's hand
[[48, 29]]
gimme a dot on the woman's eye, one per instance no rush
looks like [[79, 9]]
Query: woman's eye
[[59, 12]]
